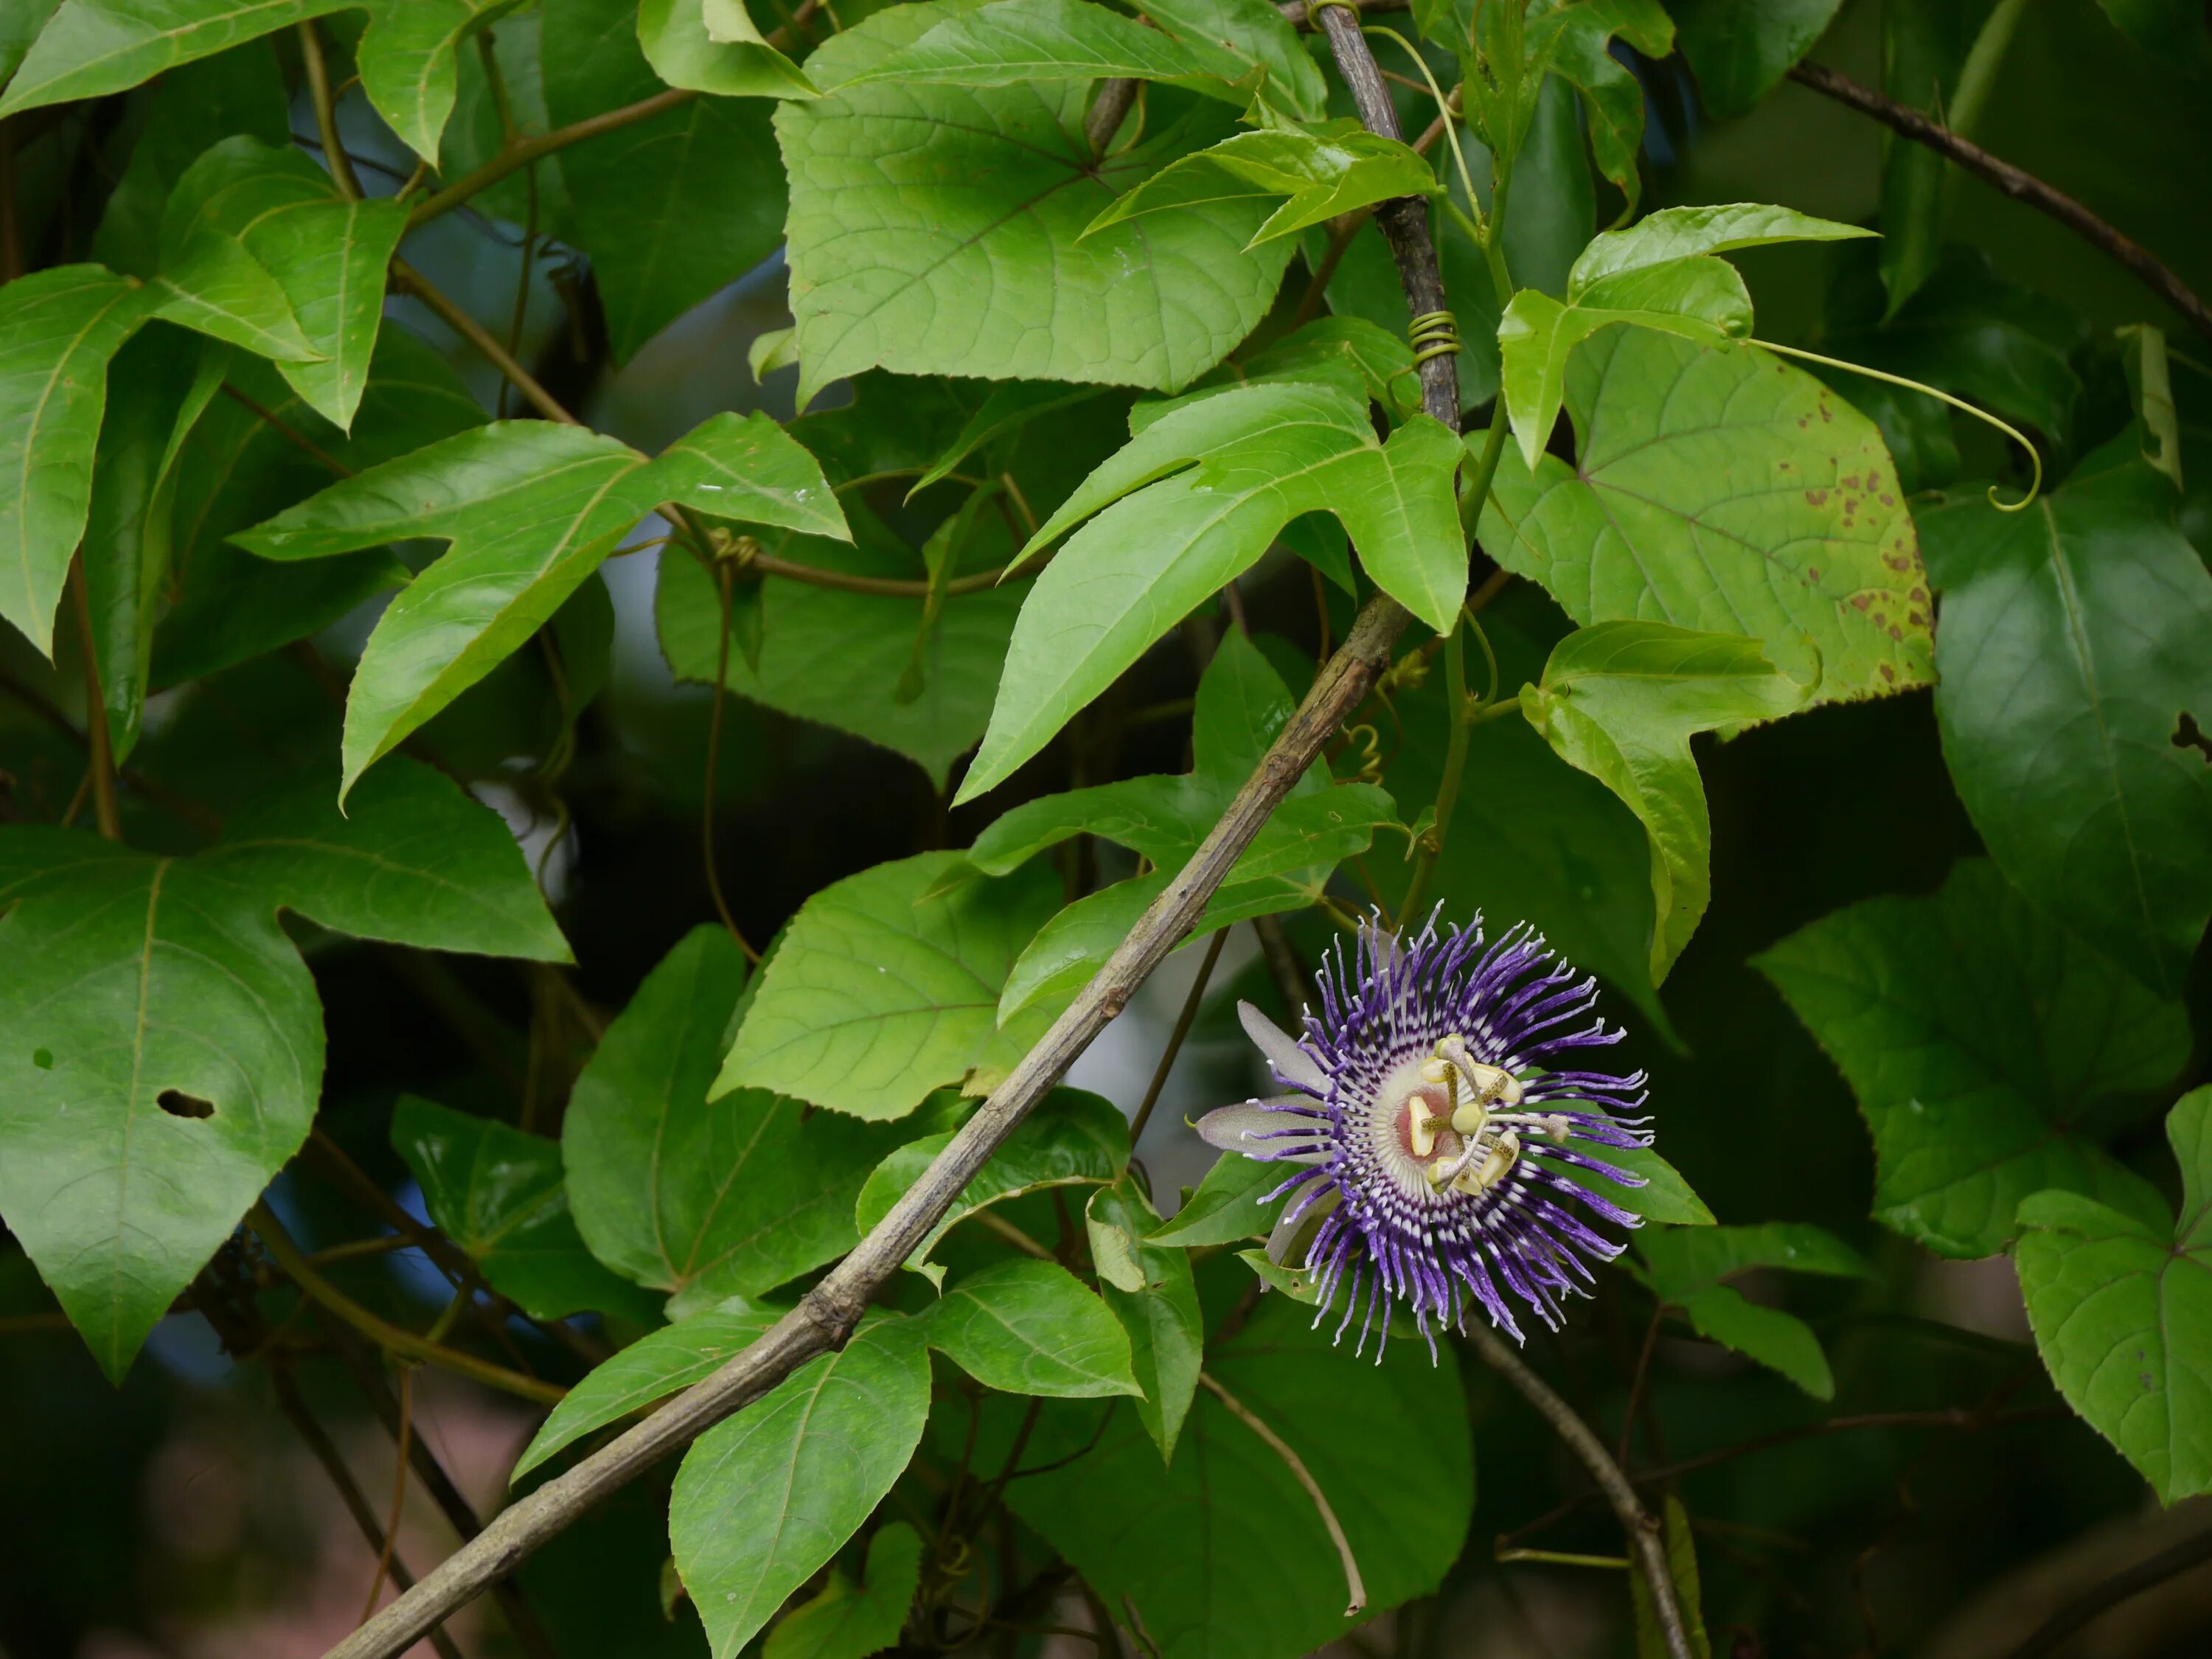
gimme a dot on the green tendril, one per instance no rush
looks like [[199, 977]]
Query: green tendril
[[2034, 488], [1443, 105]]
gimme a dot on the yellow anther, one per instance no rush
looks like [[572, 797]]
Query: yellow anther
[[1436, 1071], [1469, 1118], [1495, 1168], [1423, 1124]]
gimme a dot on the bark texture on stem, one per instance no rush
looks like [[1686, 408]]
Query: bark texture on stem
[[2021, 186]]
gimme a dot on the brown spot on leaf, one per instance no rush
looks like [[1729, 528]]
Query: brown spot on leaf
[[1815, 497], [2187, 734], [1887, 672], [177, 1103], [1860, 601]]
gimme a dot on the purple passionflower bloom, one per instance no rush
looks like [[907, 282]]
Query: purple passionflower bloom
[[1439, 1109]]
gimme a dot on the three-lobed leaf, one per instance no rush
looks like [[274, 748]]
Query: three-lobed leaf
[[1985, 1046], [2121, 1305], [851, 1621]]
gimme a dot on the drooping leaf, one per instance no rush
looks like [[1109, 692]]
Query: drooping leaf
[[886, 986], [1620, 701], [1717, 489], [1178, 1541], [57, 330], [406, 60], [659, 1364], [1156, 1299], [1739, 53], [704, 1198], [714, 47], [1652, 1642], [747, 468], [921, 217], [168, 378], [1685, 1268], [1028, 1326], [850, 1621], [326, 254], [2122, 1307], [1264, 454], [1684, 232], [671, 209], [1072, 1137], [1325, 172], [497, 1193], [162, 1044], [1986, 1050], [764, 1499], [531, 508], [1576, 44], [2083, 620], [91, 47], [238, 469]]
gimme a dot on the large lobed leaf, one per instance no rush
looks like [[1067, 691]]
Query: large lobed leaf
[[162, 1044], [1985, 1048], [939, 230], [1719, 489], [2121, 1309]]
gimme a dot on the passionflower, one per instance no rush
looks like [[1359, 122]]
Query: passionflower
[[1438, 1111]]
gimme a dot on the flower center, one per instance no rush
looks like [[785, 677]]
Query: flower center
[[1446, 1126]]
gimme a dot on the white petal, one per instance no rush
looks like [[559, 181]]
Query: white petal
[[1292, 1064], [1250, 1128]]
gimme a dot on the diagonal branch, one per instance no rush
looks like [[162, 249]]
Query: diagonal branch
[[2021, 186], [827, 1314]]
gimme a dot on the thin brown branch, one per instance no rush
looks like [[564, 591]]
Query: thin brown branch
[[1355, 1588], [2021, 186], [332, 1463], [394, 1338], [95, 710], [1644, 1543], [327, 115], [284, 430], [890, 587], [2100, 1598], [515, 156], [1183, 1020], [408, 280], [399, 1493]]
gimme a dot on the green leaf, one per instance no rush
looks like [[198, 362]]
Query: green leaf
[[2170, 29], [1072, 1137], [1254, 31], [714, 45], [763, 1501], [659, 1364], [407, 67], [57, 330], [497, 1193], [168, 381], [1575, 43], [1664, 1196], [747, 468], [1719, 489], [1651, 1642], [1011, 43], [1780, 1341], [531, 508], [1985, 1048], [935, 229], [237, 470], [1156, 1299], [161, 1045], [1620, 701], [2082, 621], [1180, 1542], [886, 984], [1009, 407], [1226, 1208], [704, 1198], [413, 860], [93, 48], [1741, 52], [1326, 172], [19, 27], [1698, 298], [2121, 1309], [325, 254], [672, 209], [1028, 1326], [849, 1621], [1265, 454], [1684, 232], [1681, 1262]]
